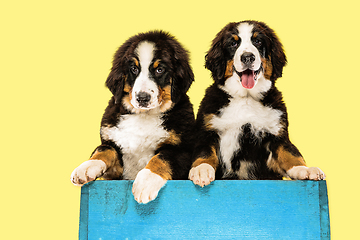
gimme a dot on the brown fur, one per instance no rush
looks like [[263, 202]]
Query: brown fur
[[165, 98], [127, 88], [125, 128], [260, 155], [156, 63], [212, 160], [207, 119], [284, 161], [174, 138], [267, 65], [110, 158], [229, 69], [136, 61], [176, 109], [160, 167]]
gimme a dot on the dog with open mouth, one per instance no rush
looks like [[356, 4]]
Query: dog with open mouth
[[242, 122], [147, 124]]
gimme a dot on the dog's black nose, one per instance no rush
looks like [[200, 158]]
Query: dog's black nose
[[143, 98], [247, 58]]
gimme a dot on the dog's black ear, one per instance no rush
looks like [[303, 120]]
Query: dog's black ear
[[183, 75], [277, 55], [215, 59], [182, 80], [116, 79], [115, 83]]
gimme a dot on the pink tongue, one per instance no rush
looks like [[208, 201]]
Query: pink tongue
[[247, 79]]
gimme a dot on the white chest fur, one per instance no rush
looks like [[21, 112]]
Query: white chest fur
[[138, 136], [239, 112]]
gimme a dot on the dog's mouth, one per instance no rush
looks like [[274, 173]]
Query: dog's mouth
[[248, 77]]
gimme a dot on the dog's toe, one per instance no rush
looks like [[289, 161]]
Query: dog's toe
[[202, 175], [87, 171], [147, 186], [306, 173]]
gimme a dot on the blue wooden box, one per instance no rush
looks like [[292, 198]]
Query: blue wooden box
[[223, 210]]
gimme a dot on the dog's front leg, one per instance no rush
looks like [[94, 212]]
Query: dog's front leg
[[104, 162], [151, 179], [203, 169], [287, 160]]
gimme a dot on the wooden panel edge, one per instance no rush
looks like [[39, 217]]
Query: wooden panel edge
[[324, 211], [84, 212]]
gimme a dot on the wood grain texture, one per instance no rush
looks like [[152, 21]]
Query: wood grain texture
[[223, 210]]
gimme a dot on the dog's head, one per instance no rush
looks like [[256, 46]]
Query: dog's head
[[150, 70], [249, 51]]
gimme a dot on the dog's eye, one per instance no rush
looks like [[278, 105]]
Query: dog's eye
[[234, 43], [134, 70], [159, 71], [257, 42]]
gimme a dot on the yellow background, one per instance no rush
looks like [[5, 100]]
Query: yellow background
[[56, 55]]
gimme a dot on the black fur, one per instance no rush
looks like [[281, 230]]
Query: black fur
[[221, 51], [168, 49], [179, 118], [255, 149]]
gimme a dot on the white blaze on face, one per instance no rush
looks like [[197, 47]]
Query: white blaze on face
[[247, 60], [249, 79], [143, 84], [245, 34]]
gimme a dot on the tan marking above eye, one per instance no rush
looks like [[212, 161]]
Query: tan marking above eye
[[156, 63], [136, 61], [236, 37]]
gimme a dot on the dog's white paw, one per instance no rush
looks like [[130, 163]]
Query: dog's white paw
[[147, 186], [88, 171], [306, 173], [202, 175]]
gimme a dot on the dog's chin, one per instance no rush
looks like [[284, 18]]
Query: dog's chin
[[135, 107], [147, 108], [162, 107], [248, 77]]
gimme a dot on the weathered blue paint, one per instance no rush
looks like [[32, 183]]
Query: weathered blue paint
[[224, 210]]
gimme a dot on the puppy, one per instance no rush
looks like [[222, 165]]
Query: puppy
[[242, 123], [147, 123]]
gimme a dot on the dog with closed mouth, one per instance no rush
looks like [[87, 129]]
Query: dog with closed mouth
[[242, 122], [147, 124]]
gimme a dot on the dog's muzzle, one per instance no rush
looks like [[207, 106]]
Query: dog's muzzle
[[248, 75], [143, 99], [247, 58]]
